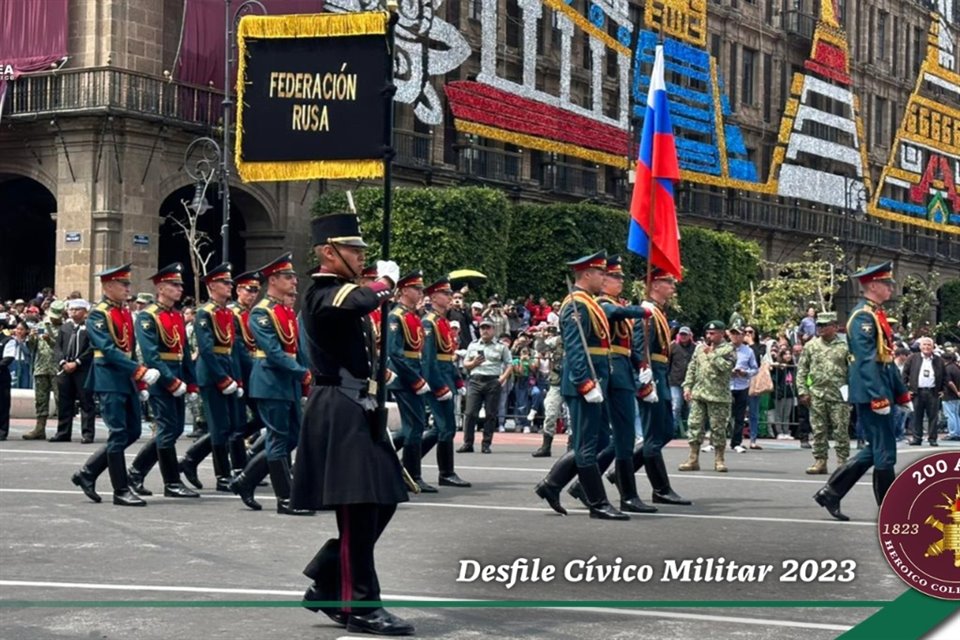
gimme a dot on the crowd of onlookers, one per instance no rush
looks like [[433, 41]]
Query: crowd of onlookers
[[528, 331]]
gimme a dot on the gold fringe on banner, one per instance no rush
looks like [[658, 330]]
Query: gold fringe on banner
[[309, 170], [314, 25]]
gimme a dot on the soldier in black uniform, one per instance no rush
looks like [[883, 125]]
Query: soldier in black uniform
[[345, 461]]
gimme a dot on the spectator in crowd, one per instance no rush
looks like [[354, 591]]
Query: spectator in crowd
[[21, 357], [900, 414], [539, 312], [515, 321], [550, 348], [784, 373], [525, 367], [460, 315], [808, 325], [554, 316], [495, 314], [743, 372], [951, 394], [488, 363], [74, 356], [5, 382], [924, 375], [736, 318], [507, 390], [476, 310], [751, 339], [681, 350]]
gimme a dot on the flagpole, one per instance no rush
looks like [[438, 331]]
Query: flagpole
[[653, 209]]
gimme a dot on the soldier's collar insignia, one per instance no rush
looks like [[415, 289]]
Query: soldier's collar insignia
[[263, 321], [867, 328]]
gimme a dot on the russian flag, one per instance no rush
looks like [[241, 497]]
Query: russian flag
[[654, 233]]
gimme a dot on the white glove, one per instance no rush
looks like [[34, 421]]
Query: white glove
[[144, 395], [645, 376], [388, 269], [844, 392], [230, 388], [882, 412], [389, 377], [192, 396], [462, 391], [594, 396], [652, 396], [907, 406], [180, 390], [649, 306], [151, 376], [446, 396], [239, 392], [424, 389]]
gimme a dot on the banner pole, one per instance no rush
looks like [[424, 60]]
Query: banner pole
[[388, 92]]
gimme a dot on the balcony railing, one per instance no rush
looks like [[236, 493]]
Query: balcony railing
[[569, 178], [799, 24], [784, 217], [99, 90], [490, 163], [413, 149]]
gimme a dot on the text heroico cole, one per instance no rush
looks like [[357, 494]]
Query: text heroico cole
[[314, 99]]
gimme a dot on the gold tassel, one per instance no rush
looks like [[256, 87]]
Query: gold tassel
[[309, 170], [313, 25]]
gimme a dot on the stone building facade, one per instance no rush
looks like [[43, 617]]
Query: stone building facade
[[92, 155]]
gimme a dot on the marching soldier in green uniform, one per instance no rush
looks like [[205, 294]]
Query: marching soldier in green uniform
[[404, 343], [120, 384], [822, 385], [248, 288], [875, 386], [707, 389], [277, 382], [656, 411], [621, 400], [440, 371], [220, 350], [586, 375], [45, 371], [162, 336]]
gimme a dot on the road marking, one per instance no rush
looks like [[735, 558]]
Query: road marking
[[494, 507], [677, 615]]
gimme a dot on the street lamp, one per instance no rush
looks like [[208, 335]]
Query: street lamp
[[229, 45], [202, 161]]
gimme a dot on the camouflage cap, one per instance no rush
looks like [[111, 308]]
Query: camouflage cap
[[715, 325], [827, 317]]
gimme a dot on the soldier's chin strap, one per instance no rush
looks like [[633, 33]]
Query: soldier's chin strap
[[353, 274]]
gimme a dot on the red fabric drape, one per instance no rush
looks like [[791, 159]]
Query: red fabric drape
[[201, 59], [33, 34]]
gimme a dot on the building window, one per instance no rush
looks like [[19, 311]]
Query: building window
[[749, 65], [475, 8], [882, 35], [715, 47], [879, 107], [918, 40], [895, 58], [768, 11], [513, 23], [732, 81], [767, 96], [453, 14]]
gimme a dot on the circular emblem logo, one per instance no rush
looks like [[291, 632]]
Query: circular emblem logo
[[919, 525]]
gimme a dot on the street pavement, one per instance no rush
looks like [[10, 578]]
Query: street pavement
[[165, 568]]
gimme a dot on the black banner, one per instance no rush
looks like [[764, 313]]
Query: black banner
[[313, 99]]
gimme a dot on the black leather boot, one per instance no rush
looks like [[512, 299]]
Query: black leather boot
[[86, 478], [603, 461], [592, 483], [378, 622], [246, 482], [122, 495], [429, 442], [839, 484], [258, 445], [191, 459], [448, 477], [399, 440], [411, 462], [627, 485], [660, 481], [238, 452], [324, 570], [545, 446], [560, 474], [221, 467], [638, 461], [169, 469], [882, 479], [280, 479], [141, 465]]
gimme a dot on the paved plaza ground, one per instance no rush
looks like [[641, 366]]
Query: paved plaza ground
[[55, 545]]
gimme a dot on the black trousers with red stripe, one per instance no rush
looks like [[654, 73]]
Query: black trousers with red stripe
[[344, 569]]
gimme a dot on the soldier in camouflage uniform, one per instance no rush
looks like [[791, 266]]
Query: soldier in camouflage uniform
[[551, 345], [821, 373], [707, 389], [45, 369]]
